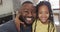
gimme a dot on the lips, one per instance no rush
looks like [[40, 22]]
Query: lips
[[43, 18], [29, 19]]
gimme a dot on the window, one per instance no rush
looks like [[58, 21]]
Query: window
[[54, 4]]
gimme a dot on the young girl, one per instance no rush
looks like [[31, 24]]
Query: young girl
[[44, 22]]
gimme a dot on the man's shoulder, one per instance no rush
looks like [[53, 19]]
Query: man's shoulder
[[6, 25]]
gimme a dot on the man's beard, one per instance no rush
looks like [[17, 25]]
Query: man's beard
[[23, 20]]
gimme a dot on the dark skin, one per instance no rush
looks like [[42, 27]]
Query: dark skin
[[28, 14]]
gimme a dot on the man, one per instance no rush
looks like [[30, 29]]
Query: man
[[23, 21]]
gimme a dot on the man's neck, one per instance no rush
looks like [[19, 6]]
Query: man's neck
[[25, 28]]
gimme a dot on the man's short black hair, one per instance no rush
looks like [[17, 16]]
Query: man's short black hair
[[27, 2]]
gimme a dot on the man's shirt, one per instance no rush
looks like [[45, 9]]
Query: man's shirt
[[25, 29], [11, 27]]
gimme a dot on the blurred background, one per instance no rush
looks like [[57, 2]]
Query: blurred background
[[8, 9]]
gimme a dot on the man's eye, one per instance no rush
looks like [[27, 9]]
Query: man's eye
[[33, 12], [26, 11]]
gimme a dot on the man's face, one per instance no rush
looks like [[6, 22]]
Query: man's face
[[28, 13]]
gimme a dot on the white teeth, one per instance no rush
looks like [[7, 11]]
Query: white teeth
[[28, 18]]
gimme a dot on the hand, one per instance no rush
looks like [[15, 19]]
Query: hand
[[18, 22], [17, 19]]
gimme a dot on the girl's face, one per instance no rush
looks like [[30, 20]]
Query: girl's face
[[43, 13]]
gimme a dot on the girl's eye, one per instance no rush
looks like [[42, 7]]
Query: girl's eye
[[39, 12]]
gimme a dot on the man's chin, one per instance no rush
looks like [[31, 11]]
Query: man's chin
[[29, 23]]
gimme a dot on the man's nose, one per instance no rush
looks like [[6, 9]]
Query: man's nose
[[29, 14]]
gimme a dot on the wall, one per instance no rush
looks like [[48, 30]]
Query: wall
[[6, 7]]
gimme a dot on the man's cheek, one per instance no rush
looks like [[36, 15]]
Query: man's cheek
[[23, 15], [34, 15]]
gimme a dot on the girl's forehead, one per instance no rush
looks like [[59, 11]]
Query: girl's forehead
[[43, 9]]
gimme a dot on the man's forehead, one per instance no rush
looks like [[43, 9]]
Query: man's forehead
[[27, 9], [27, 5]]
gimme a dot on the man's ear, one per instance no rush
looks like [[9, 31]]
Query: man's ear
[[19, 11]]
